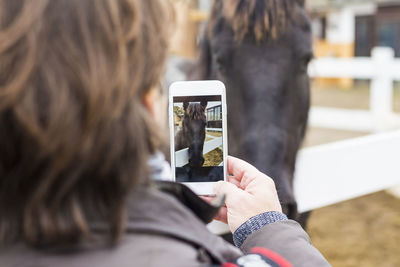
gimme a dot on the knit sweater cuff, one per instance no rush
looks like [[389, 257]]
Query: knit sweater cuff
[[255, 223]]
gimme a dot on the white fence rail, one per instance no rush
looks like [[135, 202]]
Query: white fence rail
[[214, 129], [382, 69], [338, 171], [182, 156]]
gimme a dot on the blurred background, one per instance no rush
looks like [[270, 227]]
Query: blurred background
[[354, 93]]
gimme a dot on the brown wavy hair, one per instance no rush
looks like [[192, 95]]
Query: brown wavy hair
[[74, 134], [263, 19]]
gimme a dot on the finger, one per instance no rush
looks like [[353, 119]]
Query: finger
[[207, 199], [233, 180], [210, 200], [222, 215], [224, 188], [240, 169], [236, 166], [230, 190], [247, 178]]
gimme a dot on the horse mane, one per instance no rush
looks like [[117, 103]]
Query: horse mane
[[265, 19], [195, 111]]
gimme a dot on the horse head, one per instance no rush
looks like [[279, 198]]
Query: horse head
[[260, 49], [194, 131]]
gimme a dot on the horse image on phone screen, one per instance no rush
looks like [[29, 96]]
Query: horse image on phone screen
[[198, 137], [193, 132]]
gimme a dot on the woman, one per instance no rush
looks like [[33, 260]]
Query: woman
[[80, 118]]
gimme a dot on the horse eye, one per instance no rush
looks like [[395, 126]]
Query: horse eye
[[220, 63], [219, 60]]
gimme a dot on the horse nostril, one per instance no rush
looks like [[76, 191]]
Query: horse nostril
[[196, 162]]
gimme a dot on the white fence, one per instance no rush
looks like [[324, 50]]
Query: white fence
[[182, 156], [339, 171], [382, 69], [214, 129], [369, 164]]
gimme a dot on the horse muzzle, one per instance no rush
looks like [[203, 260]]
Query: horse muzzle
[[196, 162]]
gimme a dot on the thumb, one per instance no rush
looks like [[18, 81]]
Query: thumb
[[228, 189]]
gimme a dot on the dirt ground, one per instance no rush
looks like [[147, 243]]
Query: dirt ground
[[364, 231], [359, 232], [216, 134], [213, 158]]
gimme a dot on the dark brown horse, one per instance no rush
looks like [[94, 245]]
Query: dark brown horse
[[193, 132], [260, 50]]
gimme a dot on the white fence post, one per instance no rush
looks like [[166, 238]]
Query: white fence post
[[381, 94]]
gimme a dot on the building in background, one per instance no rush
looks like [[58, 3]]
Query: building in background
[[347, 28], [214, 115]]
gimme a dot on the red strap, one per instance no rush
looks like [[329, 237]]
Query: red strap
[[229, 264], [273, 256]]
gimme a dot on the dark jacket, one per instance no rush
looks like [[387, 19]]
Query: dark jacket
[[161, 231]]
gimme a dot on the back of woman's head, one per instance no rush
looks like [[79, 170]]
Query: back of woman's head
[[74, 136]]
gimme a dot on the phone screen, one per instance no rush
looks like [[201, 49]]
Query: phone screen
[[198, 138]]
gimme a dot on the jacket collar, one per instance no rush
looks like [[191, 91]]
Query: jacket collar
[[203, 210], [173, 210]]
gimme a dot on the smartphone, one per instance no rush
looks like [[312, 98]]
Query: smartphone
[[197, 120]]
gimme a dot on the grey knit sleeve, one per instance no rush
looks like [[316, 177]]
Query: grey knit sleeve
[[255, 223]]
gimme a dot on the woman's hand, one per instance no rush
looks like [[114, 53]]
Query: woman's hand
[[248, 192]]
